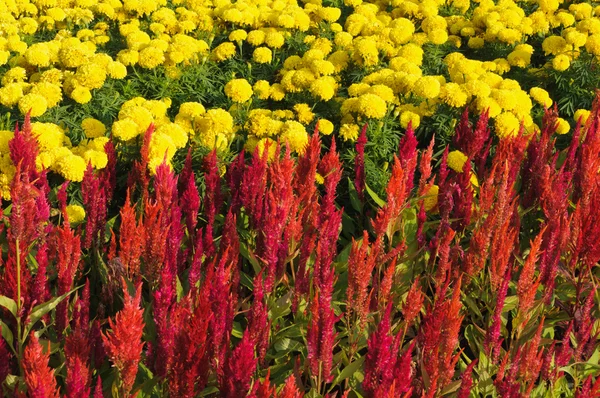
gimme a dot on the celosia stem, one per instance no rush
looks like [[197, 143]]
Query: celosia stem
[[19, 345]]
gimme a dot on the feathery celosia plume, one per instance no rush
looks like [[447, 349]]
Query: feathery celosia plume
[[531, 360], [189, 202], [39, 377], [414, 302], [381, 357], [131, 239], [98, 389], [109, 173], [407, 154], [263, 389], [528, 283], [67, 246], [78, 349], [396, 197], [258, 320], [492, 339], [290, 389], [93, 191], [23, 148], [139, 173], [361, 263], [123, 342], [239, 369], [467, 381], [359, 163]]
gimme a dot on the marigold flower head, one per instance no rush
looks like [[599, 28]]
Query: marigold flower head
[[36, 104], [238, 90]]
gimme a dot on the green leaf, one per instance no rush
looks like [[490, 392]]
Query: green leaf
[[209, 391], [179, 290], [237, 331], [40, 310], [354, 200], [9, 304], [286, 345], [7, 334], [350, 370], [380, 202]]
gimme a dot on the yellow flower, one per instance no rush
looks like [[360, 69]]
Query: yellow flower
[[541, 96], [427, 87], [507, 125], [349, 132], [561, 62], [11, 94], [453, 95], [238, 90], [81, 95], [116, 70], [324, 88], [562, 126], [295, 135], [304, 113], [71, 167], [224, 51], [238, 35], [325, 126], [430, 200], [34, 103], [277, 93], [457, 160], [75, 213], [582, 114], [151, 57], [372, 106], [407, 117], [274, 39], [262, 55], [51, 92], [261, 89], [125, 129], [93, 128]]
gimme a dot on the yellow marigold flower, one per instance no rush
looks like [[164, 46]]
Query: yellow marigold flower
[[38, 55], [330, 14], [213, 122], [430, 199], [51, 92], [238, 90], [506, 125], [582, 114], [325, 126], [256, 37], [35, 103], [75, 213], [295, 135], [91, 76], [541, 96], [81, 95], [71, 167], [457, 160], [93, 128], [304, 113], [372, 106], [562, 126], [128, 57], [274, 39], [224, 51], [438, 36], [48, 135], [277, 93], [175, 132], [407, 117], [11, 94], [261, 145], [476, 42], [191, 110], [427, 87], [238, 35], [453, 95], [5, 136], [561, 62], [262, 55], [324, 88], [116, 70], [125, 129], [151, 57], [261, 89], [349, 132], [519, 58], [98, 159], [554, 45]]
